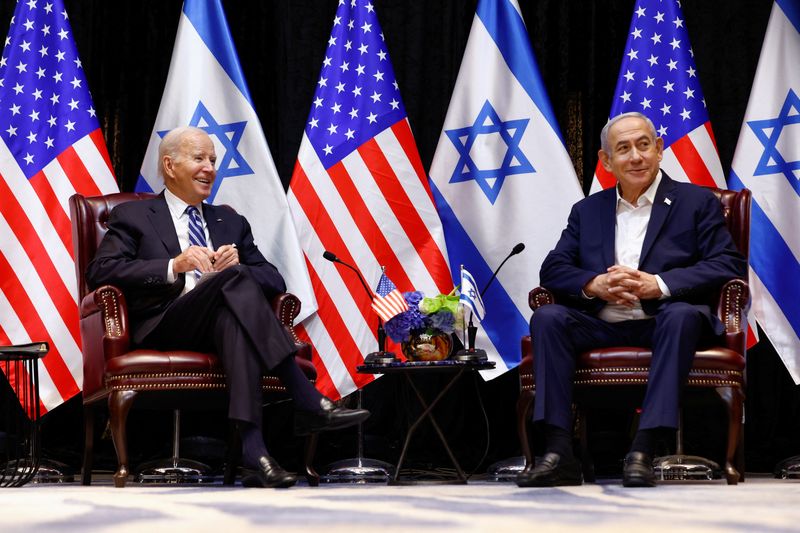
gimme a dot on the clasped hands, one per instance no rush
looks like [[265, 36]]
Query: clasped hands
[[623, 285], [205, 260]]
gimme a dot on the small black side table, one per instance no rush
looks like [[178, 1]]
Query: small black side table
[[417, 368], [21, 451]]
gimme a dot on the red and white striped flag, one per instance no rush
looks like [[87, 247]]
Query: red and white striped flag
[[359, 190], [658, 78], [388, 301], [51, 146]]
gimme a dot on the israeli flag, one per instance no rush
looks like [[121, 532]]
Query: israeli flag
[[501, 174], [206, 88], [767, 161], [470, 295]]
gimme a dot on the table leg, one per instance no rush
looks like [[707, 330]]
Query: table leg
[[428, 413]]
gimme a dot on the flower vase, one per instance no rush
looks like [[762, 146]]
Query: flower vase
[[428, 345]]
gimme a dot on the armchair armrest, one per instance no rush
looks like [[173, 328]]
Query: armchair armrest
[[732, 311], [286, 307], [104, 334], [539, 297]]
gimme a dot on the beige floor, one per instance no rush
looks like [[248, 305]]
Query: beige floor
[[761, 504]]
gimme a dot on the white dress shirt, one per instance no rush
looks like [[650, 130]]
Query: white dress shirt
[[180, 219], [631, 227]]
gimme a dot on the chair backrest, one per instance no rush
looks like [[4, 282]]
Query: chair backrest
[[736, 209], [89, 215]]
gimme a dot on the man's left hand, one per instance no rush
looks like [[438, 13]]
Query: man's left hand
[[225, 256]]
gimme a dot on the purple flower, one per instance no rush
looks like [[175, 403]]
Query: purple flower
[[399, 327]]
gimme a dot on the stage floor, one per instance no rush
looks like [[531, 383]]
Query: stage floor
[[761, 504]]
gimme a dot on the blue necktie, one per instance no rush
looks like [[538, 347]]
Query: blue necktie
[[197, 236]]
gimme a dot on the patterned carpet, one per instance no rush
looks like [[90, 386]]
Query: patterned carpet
[[761, 504]]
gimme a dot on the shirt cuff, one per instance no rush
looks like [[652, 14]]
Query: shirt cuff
[[663, 286], [586, 296], [170, 273]]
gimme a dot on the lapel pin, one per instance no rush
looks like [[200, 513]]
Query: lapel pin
[[219, 220], [667, 201]]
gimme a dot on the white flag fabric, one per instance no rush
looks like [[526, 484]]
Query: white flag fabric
[[206, 88], [470, 295], [767, 161], [501, 174]]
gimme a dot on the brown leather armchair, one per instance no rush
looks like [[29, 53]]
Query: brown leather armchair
[[118, 373], [721, 368]]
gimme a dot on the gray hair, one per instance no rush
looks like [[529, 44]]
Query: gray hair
[[171, 142], [630, 114]]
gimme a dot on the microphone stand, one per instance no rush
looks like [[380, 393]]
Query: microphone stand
[[470, 353], [360, 469]]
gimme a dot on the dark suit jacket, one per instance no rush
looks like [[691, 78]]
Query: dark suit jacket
[[140, 241], [686, 243]]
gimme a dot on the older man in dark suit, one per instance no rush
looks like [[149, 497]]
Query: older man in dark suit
[[632, 267], [194, 279]]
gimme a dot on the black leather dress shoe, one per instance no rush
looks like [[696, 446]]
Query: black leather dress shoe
[[327, 418], [552, 471], [268, 474], [637, 470]]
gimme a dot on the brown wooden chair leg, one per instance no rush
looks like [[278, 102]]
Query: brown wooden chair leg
[[733, 398], [524, 405], [88, 444], [311, 450], [119, 405]]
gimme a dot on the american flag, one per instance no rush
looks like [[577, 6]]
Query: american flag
[[659, 79], [51, 146], [388, 301], [359, 190]]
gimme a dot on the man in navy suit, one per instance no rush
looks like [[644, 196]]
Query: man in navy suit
[[633, 267], [194, 279]]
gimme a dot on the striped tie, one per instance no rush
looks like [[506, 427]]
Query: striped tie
[[197, 236]]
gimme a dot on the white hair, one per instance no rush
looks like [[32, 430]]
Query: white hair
[[630, 114]]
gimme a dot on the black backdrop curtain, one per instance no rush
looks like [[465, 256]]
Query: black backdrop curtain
[[126, 47]]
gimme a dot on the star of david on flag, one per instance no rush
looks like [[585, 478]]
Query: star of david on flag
[[206, 88], [658, 78], [471, 139], [767, 161], [470, 296], [769, 133], [51, 147], [500, 170]]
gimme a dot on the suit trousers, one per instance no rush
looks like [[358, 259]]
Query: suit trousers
[[560, 333], [230, 315]]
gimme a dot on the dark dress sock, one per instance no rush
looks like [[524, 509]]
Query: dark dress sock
[[305, 396], [253, 445], [646, 440], [558, 440]]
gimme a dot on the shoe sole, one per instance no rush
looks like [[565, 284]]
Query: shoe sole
[[570, 483], [330, 427], [634, 482], [254, 481]]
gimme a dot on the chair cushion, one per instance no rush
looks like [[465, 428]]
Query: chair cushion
[[155, 361], [717, 358]]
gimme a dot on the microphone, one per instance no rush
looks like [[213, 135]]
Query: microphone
[[330, 256], [470, 353], [514, 251], [381, 356]]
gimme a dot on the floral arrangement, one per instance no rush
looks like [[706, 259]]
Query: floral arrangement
[[425, 315]]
